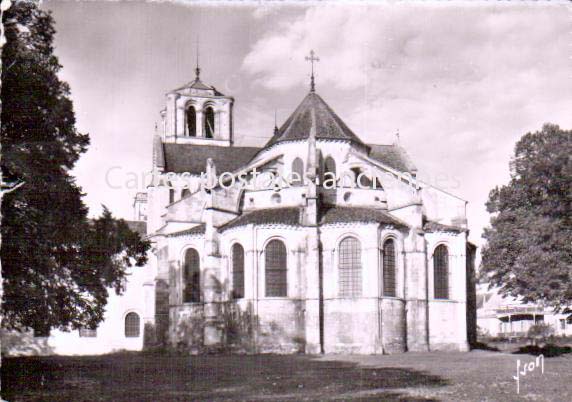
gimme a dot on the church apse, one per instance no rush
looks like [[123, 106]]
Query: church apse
[[303, 268]]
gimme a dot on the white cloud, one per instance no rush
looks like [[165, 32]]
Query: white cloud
[[462, 83]]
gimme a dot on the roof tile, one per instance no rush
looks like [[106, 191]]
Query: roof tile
[[393, 156], [291, 216], [431, 226], [328, 124], [180, 158], [199, 229]]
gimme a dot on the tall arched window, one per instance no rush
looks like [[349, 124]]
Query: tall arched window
[[276, 270], [192, 277], [191, 121], [237, 271], [330, 166], [297, 172], [349, 267], [209, 122], [389, 268], [441, 272], [132, 325]]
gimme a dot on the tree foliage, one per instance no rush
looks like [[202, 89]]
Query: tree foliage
[[529, 244], [56, 264]]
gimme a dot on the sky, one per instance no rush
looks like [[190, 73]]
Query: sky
[[460, 82]]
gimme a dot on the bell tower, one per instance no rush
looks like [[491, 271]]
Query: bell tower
[[197, 113]]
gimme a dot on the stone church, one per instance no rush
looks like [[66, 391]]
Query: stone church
[[374, 262]]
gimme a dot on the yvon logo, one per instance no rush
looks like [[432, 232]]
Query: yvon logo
[[530, 367]]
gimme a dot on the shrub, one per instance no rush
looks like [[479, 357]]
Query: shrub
[[540, 331], [482, 333]]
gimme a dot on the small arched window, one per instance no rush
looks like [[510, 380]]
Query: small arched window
[[237, 271], [361, 178], [330, 166], [275, 198], [191, 121], [389, 268], [349, 267], [209, 122], [276, 269], [441, 272], [132, 325], [192, 277], [297, 172]]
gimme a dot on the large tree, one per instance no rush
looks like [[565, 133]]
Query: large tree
[[57, 265], [529, 244]]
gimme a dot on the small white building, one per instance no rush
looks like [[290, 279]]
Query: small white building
[[507, 317]]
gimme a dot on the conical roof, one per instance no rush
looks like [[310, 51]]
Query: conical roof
[[328, 124]]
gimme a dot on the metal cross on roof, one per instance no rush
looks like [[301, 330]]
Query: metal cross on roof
[[312, 59]]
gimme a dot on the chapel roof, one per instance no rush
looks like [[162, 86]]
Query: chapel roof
[[431, 226], [199, 229], [393, 156], [285, 216], [291, 216], [356, 214], [198, 84], [192, 158], [328, 124]]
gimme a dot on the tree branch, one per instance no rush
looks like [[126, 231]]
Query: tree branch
[[8, 188]]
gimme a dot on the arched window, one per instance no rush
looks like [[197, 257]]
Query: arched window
[[330, 166], [297, 172], [209, 122], [275, 198], [132, 325], [192, 121], [192, 277], [441, 272], [389, 268], [185, 192], [349, 267], [361, 181], [237, 271], [276, 271]]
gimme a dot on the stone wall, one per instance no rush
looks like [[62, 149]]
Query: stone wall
[[186, 327], [351, 326], [447, 326], [393, 326]]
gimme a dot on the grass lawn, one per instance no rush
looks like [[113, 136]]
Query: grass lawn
[[473, 376]]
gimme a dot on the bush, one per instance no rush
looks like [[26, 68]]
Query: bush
[[482, 333], [540, 332], [549, 350]]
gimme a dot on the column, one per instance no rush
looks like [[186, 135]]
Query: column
[[416, 307], [313, 294]]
